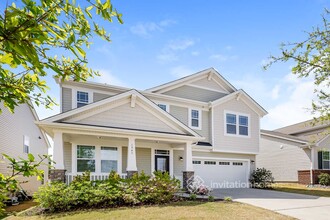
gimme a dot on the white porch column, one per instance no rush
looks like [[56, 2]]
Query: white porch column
[[312, 165], [188, 166], [58, 151], [131, 157]]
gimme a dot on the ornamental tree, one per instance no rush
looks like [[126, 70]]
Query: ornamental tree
[[38, 38]]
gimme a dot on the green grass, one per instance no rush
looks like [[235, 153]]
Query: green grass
[[301, 189], [179, 210]]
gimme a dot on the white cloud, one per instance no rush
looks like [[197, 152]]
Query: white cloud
[[144, 29], [181, 71], [195, 53], [275, 92], [297, 95], [228, 47], [107, 77], [170, 51], [222, 58]]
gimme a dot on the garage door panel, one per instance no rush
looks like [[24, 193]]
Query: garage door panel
[[222, 173]]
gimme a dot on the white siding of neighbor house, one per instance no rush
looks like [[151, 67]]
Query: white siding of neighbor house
[[66, 99], [284, 163], [143, 160], [125, 116], [67, 147], [235, 143], [99, 96], [211, 84], [12, 129], [198, 94]]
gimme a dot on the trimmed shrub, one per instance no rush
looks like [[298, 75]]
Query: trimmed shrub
[[262, 178], [324, 179], [140, 189]]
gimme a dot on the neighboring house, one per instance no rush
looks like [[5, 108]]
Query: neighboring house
[[296, 153], [19, 135], [198, 125]]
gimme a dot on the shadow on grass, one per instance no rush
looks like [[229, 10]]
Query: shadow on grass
[[307, 191]]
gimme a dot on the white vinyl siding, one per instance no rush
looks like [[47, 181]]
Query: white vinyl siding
[[193, 93], [143, 160], [67, 156], [12, 129], [232, 143], [125, 116], [99, 96], [66, 99]]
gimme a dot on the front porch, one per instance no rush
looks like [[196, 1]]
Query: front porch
[[100, 154]]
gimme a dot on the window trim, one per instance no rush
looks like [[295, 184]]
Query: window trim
[[74, 96], [199, 118], [167, 106], [237, 124]]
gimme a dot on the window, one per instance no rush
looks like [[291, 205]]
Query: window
[[326, 160], [82, 98], [224, 163], [237, 124], [197, 162], [163, 106], [231, 123], [195, 119], [243, 125], [26, 144], [237, 164], [162, 152], [85, 158], [109, 159], [210, 162]]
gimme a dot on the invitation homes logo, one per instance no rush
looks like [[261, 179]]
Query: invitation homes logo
[[196, 182]]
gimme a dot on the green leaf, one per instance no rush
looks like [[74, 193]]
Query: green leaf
[[31, 157]]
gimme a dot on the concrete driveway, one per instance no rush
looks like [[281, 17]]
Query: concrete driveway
[[291, 204]]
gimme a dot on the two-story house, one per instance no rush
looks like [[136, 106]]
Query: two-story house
[[198, 125]]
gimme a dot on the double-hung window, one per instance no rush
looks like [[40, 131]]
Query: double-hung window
[[26, 144], [82, 98], [237, 124], [109, 159], [195, 119], [85, 158], [324, 160]]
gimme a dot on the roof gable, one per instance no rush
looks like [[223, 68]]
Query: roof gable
[[242, 95], [207, 79], [129, 110]]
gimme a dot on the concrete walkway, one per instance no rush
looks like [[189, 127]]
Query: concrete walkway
[[291, 204]]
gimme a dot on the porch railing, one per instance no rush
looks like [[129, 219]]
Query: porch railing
[[70, 177]]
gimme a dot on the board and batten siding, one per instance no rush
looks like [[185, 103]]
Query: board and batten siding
[[99, 96], [235, 143], [193, 93], [66, 99], [67, 148], [12, 129], [125, 116], [143, 160], [285, 161]]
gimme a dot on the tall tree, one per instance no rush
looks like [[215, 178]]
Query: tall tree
[[312, 58], [33, 32]]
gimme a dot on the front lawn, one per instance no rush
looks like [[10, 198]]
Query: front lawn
[[179, 210], [301, 189]]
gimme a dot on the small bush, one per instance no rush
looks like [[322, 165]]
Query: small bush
[[324, 179], [193, 197], [140, 189], [262, 178], [228, 199], [199, 189], [211, 199]]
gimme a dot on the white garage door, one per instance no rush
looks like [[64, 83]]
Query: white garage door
[[222, 173]]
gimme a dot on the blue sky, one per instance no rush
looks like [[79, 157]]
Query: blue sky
[[161, 41]]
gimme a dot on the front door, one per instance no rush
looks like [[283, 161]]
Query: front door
[[162, 163]]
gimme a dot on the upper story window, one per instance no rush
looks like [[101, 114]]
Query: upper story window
[[163, 106], [237, 124], [195, 119], [26, 144], [82, 98]]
